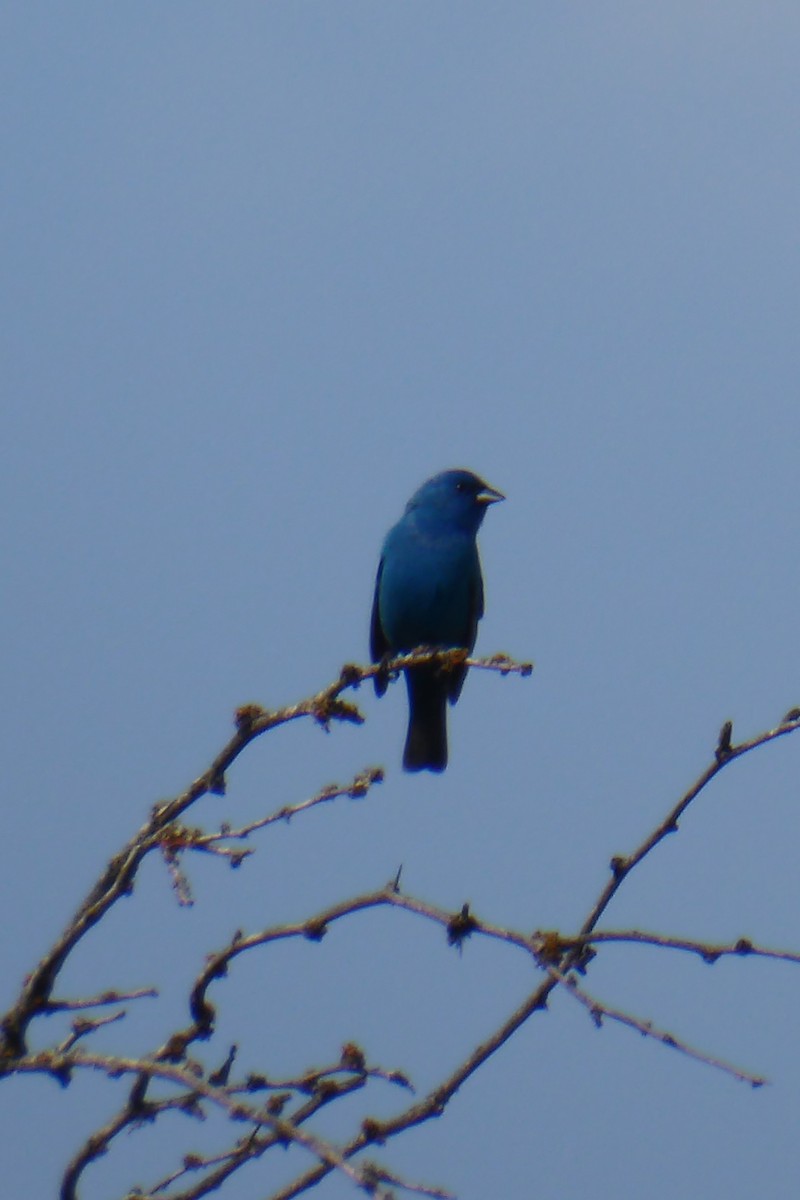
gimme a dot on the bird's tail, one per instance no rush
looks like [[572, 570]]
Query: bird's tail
[[426, 743]]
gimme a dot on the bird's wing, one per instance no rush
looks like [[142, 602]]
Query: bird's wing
[[378, 645], [477, 600], [458, 676], [377, 638]]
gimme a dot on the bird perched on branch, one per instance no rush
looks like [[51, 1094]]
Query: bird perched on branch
[[429, 592]]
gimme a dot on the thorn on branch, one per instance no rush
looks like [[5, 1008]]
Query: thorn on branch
[[220, 968], [246, 716], [619, 866], [62, 1074], [744, 946], [460, 926], [190, 1106], [401, 1079], [220, 1077], [147, 1111], [373, 1131], [216, 783], [350, 675], [723, 749], [315, 930], [330, 709], [792, 717], [353, 1057]]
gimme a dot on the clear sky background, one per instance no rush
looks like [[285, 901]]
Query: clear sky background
[[266, 267]]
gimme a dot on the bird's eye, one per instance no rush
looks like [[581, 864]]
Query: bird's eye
[[461, 486]]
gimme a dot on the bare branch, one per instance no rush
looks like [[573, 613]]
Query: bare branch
[[62, 1065], [600, 1011], [725, 753], [290, 1103], [83, 1026], [251, 721], [710, 952], [181, 838], [110, 997]]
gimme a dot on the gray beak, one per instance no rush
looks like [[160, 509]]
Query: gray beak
[[488, 495]]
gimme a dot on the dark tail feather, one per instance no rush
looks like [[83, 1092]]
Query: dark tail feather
[[426, 743]]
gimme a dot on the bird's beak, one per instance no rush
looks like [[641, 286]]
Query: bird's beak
[[488, 495]]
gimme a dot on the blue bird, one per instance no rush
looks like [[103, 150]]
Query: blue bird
[[429, 591]]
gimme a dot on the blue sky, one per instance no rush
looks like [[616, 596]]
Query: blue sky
[[268, 266]]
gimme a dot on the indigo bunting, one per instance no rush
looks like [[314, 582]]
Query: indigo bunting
[[429, 591]]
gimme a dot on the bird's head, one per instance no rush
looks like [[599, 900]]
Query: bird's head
[[458, 497]]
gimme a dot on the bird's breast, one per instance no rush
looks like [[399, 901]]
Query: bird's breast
[[426, 593]]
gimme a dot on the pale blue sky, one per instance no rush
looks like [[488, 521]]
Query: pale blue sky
[[266, 267]]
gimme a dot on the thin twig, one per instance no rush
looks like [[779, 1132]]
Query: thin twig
[[356, 789], [710, 952], [600, 1011], [251, 721], [725, 753], [114, 1066], [293, 1102], [373, 1131], [83, 1026], [110, 997]]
